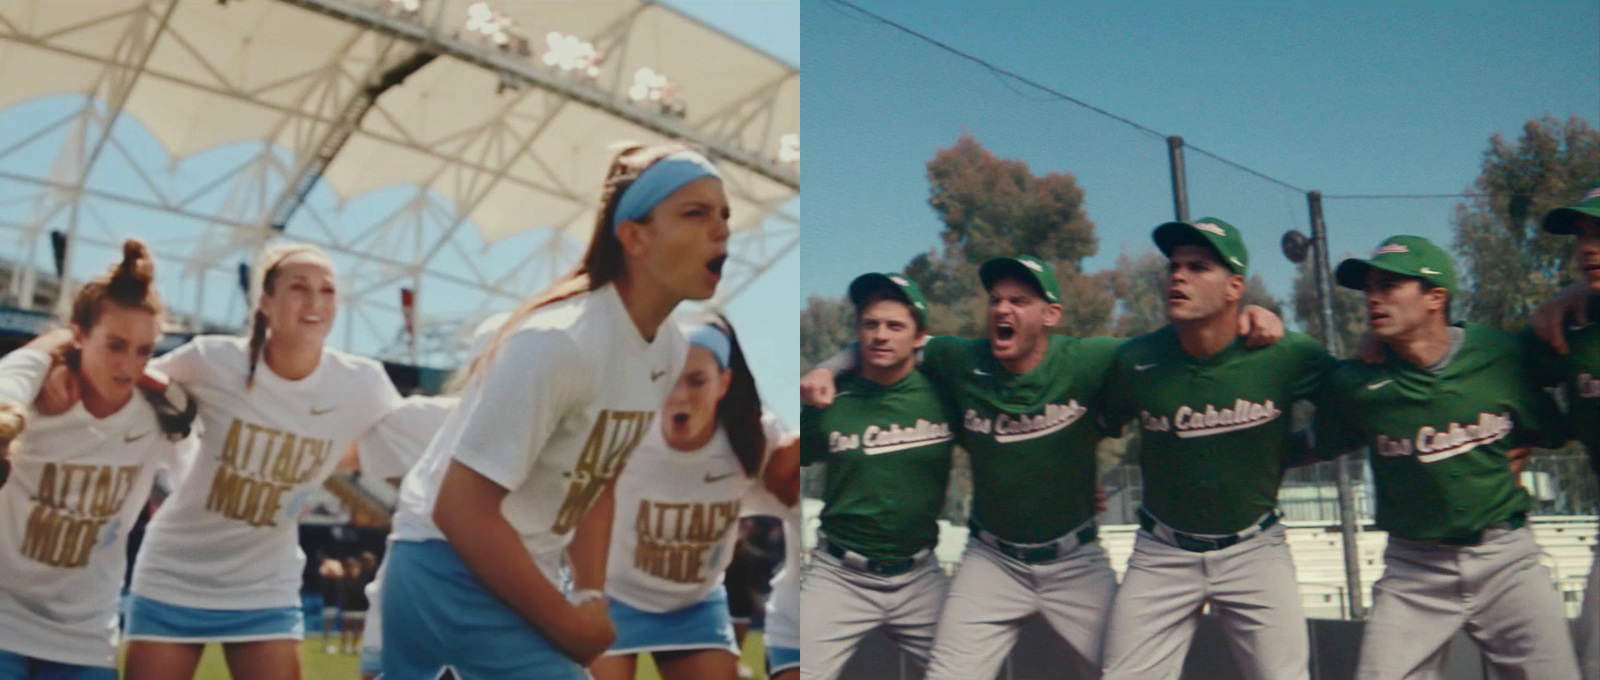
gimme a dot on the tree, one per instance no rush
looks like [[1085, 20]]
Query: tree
[[1349, 309], [826, 324], [1507, 264], [992, 207]]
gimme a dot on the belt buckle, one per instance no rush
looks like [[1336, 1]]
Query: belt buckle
[[1198, 544], [890, 567]]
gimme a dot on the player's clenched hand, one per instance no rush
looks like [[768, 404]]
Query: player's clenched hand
[[1260, 327], [1548, 317], [1100, 497], [589, 633], [816, 388], [58, 393]]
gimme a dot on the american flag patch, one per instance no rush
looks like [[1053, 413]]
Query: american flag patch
[[1390, 248]]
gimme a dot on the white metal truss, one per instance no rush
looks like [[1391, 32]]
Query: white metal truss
[[200, 126]]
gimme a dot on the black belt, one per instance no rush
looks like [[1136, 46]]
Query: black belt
[[1196, 543], [1513, 522], [1032, 553], [893, 567]]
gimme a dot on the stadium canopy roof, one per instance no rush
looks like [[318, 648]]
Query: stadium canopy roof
[[454, 149]]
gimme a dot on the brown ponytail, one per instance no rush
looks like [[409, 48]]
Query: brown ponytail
[[602, 263], [739, 410], [268, 266]]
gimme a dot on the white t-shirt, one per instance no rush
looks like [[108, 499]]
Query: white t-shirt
[[77, 485], [390, 450], [553, 419], [227, 538], [677, 520], [783, 608]]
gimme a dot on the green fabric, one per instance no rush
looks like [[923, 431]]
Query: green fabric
[[1439, 443], [888, 453], [1031, 437], [866, 284], [1559, 221], [1214, 430], [1026, 267], [1578, 374], [1223, 237], [1404, 255]]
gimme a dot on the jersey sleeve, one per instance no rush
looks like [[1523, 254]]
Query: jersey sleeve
[[398, 442], [1314, 365], [1333, 426], [22, 373], [813, 441], [1116, 409], [944, 358], [184, 365], [1095, 355], [1543, 364], [526, 392], [1537, 419]]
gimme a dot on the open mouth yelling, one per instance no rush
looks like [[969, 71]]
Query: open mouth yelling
[[1004, 331], [715, 265], [680, 419]]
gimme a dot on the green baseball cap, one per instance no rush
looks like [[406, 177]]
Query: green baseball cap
[[909, 293], [1559, 221], [1404, 255], [1221, 236], [1025, 268]]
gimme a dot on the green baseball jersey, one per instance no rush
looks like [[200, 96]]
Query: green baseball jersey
[[1438, 442], [888, 453], [1578, 372], [1214, 430], [1030, 436]]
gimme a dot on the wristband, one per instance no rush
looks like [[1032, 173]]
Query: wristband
[[578, 597]]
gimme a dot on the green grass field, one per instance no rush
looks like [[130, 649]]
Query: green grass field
[[319, 665]]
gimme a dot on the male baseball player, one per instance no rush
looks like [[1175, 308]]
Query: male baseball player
[[1441, 415], [1026, 399], [1215, 425], [1578, 371], [886, 439]]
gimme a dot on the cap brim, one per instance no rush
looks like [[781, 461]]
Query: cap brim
[[867, 284], [1173, 234], [1559, 221], [1004, 268], [1352, 273]]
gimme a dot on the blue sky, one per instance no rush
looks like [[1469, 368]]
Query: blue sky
[[1346, 98]]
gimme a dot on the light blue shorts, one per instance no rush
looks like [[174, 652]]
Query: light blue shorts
[[705, 625], [159, 621], [437, 616], [15, 666], [780, 659]]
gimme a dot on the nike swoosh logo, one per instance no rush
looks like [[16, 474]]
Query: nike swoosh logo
[[1143, 367], [317, 412], [979, 371], [1426, 270], [717, 478], [129, 439], [656, 375], [1377, 385]]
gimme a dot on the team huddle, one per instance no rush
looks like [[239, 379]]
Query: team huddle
[[1447, 409], [573, 504]]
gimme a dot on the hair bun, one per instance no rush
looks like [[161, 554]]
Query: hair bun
[[137, 269]]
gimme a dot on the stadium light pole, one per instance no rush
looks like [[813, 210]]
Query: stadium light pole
[[1322, 274]]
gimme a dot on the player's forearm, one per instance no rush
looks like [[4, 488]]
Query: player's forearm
[[591, 542], [782, 476]]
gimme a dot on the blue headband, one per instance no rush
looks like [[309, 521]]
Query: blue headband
[[658, 181], [713, 339]]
